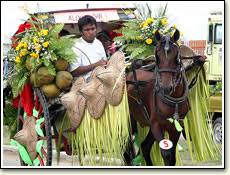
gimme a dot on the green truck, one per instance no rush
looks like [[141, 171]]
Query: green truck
[[214, 53]]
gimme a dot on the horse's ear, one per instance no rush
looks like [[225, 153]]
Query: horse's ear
[[157, 35], [176, 35]]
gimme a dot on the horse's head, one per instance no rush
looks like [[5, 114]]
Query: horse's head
[[167, 61]]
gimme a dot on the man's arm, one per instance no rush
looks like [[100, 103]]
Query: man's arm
[[85, 69]]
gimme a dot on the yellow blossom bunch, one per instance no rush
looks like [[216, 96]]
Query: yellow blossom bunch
[[21, 45], [43, 32], [149, 41], [33, 45], [164, 21], [46, 44], [34, 55], [149, 20], [149, 27]]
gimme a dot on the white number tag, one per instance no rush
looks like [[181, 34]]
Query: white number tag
[[165, 144]]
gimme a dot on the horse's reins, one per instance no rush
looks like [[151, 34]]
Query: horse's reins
[[137, 84]]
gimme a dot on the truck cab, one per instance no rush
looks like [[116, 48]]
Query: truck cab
[[214, 52]]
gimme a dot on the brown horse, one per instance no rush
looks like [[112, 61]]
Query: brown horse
[[155, 96]]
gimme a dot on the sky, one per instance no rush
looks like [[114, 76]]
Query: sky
[[190, 16]]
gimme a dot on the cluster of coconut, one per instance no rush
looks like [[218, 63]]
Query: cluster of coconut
[[52, 85]]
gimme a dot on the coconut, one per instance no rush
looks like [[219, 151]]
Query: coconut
[[51, 90], [63, 79], [61, 64], [44, 77], [34, 80]]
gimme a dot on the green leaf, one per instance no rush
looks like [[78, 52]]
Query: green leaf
[[36, 162], [35, 113], [22, 151], [39, 147], [38, 127], [137, 160], [178, 126], [170, 120], [137, 52], [51, 69], [25, 115], [54, 32]]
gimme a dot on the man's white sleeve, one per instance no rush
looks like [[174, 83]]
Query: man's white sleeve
[[78, 61]]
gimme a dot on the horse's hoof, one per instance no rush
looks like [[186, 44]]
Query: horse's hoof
[[166, 154]]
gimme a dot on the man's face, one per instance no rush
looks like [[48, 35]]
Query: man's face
[[89, 32]]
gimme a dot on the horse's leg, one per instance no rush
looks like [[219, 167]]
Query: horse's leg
[[174, 137], [169, 155], [158, 134], [146, 146]]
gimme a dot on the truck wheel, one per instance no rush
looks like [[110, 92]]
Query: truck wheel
[[217, 129]]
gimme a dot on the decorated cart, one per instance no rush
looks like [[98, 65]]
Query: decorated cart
[[91, 120]]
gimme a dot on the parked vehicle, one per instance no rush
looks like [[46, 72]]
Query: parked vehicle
[[214, 51]]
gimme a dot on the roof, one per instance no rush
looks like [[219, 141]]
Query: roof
[[87, 9], [100, 14]]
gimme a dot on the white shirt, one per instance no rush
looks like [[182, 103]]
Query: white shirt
[[94, 51]]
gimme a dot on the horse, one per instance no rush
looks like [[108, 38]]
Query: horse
[[155, 96]]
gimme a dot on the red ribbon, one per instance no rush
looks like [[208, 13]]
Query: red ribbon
[[26, 98]]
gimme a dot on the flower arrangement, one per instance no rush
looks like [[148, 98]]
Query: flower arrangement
[[37, 44], [138, 36]]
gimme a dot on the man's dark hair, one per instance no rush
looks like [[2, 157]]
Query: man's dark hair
[[85, 20]]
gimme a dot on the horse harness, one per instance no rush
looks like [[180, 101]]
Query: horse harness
[[158, 91], [137, 84]]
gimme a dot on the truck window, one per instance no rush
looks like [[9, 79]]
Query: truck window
[[218, 34], [210, 33]]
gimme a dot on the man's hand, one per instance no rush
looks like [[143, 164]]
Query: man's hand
[[101, 63]]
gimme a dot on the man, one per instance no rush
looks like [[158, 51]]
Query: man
[[89, 49]]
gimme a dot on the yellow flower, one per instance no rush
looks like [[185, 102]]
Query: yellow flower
[[43, 17], [34, 55], [22, 53], [35, 40], [164, 21], [181, 33], [20, 44], [44, 32], [37, 47], [17, 59], [141, 25], [145, 25], [17, 48], [149, 20], [154, 31], [45, 44], [25, 45], [174, 26], [149, 41]]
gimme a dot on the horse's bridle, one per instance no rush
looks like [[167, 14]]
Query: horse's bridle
[[166, 98]]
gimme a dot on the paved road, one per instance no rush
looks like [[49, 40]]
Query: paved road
[[11, 158]]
